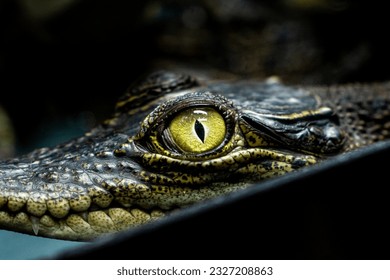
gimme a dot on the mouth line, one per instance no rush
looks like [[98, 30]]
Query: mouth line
[[197, 174], [155, 161]]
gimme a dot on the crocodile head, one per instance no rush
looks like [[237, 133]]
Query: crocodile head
[[172, 142]]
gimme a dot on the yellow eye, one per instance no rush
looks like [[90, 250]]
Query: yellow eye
[[198, 130]]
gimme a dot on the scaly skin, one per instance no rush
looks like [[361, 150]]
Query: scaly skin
[[173, 142]]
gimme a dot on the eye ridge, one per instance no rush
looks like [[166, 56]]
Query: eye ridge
[[199, 129]]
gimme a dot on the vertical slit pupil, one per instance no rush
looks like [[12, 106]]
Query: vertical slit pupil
[[199, 129]]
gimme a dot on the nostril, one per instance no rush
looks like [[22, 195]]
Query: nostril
[[335, 139], [333, 134], [329, 137]]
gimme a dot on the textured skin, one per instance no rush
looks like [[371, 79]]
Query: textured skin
[[128, 170]]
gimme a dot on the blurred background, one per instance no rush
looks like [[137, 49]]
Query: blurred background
[[64, 63]]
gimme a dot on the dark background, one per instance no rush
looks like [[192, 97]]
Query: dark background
[[72, 59]]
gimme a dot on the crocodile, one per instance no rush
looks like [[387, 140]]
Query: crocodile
[[175, 139]]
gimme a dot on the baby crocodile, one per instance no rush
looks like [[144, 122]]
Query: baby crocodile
[[174, 141]]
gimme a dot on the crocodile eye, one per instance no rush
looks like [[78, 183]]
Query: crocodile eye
[[197, 130], [194, 126]]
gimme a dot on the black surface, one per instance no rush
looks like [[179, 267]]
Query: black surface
[[335, 210]]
